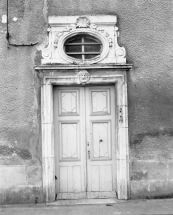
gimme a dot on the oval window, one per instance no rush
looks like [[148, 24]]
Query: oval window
[[83, 47]]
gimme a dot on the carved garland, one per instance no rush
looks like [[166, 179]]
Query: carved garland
[[82, 22]]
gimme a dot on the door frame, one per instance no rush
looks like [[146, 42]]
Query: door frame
[[48, 156]]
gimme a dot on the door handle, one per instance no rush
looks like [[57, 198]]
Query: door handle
[[88, 154]]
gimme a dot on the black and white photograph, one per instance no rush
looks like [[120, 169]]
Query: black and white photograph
[[86, 107]]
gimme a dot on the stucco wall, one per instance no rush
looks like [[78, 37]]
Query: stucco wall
[[146, 29], [20, 144]]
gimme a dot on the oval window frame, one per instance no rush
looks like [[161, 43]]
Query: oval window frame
[[82, 46], [102, 38]]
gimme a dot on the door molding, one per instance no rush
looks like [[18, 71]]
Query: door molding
[[48, 155]]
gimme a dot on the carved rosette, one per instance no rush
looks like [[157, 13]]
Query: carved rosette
[[83, 77]]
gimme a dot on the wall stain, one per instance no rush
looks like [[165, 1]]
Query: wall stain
[[12, 150], [137, 176], [139, 137], [13, 196], [163, 196]]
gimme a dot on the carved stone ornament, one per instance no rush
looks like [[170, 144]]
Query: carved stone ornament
[[83, 76], [102, 27], [82, 22], [57, 36]]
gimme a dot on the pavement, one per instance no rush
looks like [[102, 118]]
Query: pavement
[[160, 206]]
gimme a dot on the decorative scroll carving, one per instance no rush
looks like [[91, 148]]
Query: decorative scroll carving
[[46, 53], [57, 36], [120, 52], [83, 76]]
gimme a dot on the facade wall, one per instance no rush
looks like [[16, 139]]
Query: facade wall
[[146, 28]]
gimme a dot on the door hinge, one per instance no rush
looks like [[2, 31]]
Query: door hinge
[[55, 177], [121, 115], [56, 196], [88, 154]]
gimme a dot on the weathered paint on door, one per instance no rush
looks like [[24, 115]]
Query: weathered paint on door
[[84, 119]]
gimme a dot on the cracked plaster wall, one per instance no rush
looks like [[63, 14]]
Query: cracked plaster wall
[[146, 29]]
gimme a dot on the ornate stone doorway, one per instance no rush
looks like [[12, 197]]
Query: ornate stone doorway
[[106, 75]]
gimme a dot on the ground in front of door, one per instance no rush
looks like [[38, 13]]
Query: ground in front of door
[[124, 207]]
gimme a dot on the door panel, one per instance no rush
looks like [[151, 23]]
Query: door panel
[[100, 118], [69, 143], [69, 140], [85, 142], [69, 101], [101, 145], [70, 180], [100, 101]]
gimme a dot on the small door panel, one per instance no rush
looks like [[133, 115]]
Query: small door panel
[[100, 101], [69, 141], [70, 179], [101, 142], [101, 177], [68, 102]]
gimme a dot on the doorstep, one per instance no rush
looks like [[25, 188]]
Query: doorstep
[[85, 202]]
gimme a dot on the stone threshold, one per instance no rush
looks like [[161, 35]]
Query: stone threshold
[[85, 202]]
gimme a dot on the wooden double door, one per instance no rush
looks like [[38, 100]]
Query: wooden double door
[[85, 142]]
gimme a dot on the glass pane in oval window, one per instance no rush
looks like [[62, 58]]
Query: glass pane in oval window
[[89, 56], [77, 56], [73, 48], [90, 40], [74, 40], [83, 46], [92, 48]]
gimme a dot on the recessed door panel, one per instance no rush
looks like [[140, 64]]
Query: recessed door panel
[[68, 102], [100, 101], [69, 140], [70, 179], [101, 140]]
